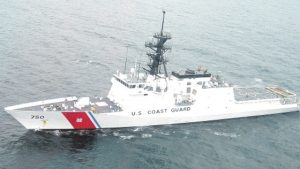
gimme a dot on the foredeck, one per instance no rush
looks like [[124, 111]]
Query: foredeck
[[95, 104]]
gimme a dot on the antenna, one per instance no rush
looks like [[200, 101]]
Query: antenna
[[125, 60], [138, 72], [162, 24], [136, 62]]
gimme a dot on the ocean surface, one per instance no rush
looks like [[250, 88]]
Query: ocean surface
[[57, 48]]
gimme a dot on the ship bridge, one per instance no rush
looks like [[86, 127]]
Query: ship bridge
[[132, 80]]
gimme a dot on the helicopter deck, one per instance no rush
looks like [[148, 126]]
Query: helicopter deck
[[255, 93]]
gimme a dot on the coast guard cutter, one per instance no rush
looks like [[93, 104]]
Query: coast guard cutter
[[156, 97]]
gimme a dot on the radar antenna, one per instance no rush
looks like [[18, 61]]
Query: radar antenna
[[158, 49]]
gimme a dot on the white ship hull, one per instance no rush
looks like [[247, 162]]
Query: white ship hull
[[40, 120]]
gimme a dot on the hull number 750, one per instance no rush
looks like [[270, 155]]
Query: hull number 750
[[37, 117]]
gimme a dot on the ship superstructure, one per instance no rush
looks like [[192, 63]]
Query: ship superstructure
[[156, 97]]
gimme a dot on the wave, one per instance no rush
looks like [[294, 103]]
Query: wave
[[127, 137], [232, 135], [146, 135], [258, 80]]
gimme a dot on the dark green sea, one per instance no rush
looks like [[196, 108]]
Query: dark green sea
[[57, 48]]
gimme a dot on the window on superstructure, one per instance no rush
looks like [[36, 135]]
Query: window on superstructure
[[194, 91], [131, 86], [158, 89], [188, 83], [149, 88], [199, 83], [125, 84], [188, 90]]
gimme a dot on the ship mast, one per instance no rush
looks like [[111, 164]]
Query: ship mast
[[158, 49]]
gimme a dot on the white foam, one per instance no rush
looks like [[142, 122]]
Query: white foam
[[232, 135], [137, 129], [161, 132], [127, 137], [165, 133], [115, 133], [258, 80], [56, 132], [187, 132], [146, 135]]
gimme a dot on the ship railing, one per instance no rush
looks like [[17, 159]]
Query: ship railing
[[258, 101], [289, 100], [151, 44], [44, 102], [283, 101]]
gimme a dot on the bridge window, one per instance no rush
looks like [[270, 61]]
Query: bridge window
[[131, 86], [124, 83]]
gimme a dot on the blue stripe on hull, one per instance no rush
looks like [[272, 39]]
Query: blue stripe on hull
[[91, 114]]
